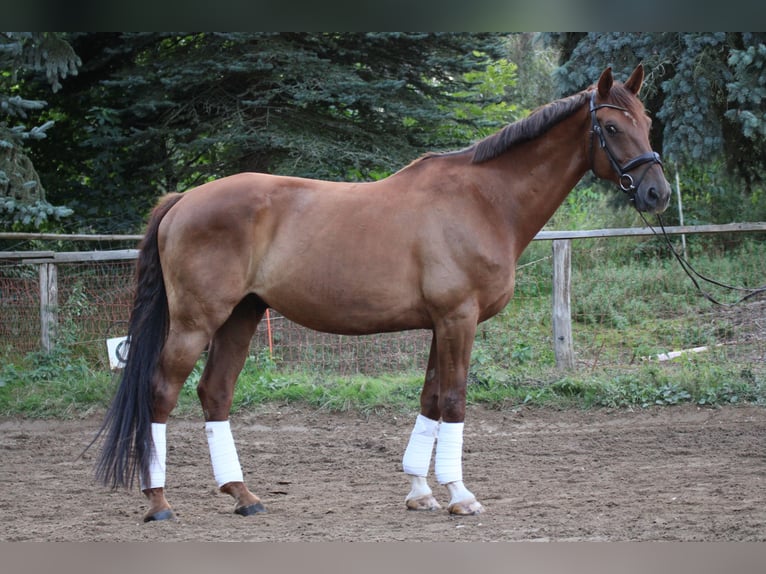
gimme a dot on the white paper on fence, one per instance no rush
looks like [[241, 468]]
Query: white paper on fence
[[117, 349]]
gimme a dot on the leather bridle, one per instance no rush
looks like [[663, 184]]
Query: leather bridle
[[626, 182], [629, 186]]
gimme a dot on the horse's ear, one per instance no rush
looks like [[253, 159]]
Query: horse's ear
[[636, 79], [605, 82]]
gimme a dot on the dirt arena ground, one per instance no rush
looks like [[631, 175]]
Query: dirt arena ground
[[679, 474]]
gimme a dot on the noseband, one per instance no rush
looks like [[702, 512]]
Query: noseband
[[625, 179]]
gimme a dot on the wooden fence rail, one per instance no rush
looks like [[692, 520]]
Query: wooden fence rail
[[561, 245]]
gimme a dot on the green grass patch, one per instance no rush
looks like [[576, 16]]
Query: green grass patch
[[686, 381], [261, 382], [54, 385], [58, 386]]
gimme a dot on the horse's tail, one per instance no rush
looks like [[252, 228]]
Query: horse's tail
[[126, 449]]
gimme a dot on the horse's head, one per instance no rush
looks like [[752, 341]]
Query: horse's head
[[619, 142]]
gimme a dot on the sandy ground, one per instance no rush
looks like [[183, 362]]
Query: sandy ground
[[673, 473]]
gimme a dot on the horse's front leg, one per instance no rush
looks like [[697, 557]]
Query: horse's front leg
[[454, 338], [419, 451]]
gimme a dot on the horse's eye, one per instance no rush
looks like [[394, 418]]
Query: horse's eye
[[611, 129]]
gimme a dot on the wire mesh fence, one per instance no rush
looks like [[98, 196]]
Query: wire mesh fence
[[627, 307], [632, 303]]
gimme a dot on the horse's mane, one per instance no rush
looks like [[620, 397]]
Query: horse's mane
[[536, 124], [529, 128]]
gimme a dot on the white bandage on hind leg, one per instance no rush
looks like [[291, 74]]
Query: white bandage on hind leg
[[223, 453], [448, 465], [417, 456], [156, 458]]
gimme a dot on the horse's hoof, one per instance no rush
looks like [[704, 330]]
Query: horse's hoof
[[250, 509], [466, 508], [166, 514], [426, 502]]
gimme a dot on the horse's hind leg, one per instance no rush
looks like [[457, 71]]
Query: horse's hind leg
[[228, 351], [179, 354]]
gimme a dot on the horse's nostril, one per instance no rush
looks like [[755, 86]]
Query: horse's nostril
[[652, 194]]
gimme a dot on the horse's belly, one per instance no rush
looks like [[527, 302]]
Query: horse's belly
[[351, 319], [337, 304]]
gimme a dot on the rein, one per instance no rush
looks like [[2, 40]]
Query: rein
[[694, 274], [625, 179], [629, 186]]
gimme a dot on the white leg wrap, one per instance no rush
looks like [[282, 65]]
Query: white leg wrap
[[449, 453], [417, 456], [157, 458], [223, 453]]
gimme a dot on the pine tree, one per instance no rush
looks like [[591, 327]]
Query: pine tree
[[150, 113], [706, 90], [22, 195]]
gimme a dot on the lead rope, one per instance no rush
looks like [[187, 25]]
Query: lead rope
[[692, 272]]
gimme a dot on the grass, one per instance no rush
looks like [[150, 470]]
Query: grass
[[62, 387], [52, 386]]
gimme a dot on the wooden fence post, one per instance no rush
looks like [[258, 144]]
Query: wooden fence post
[[49, 303], [562, 313]]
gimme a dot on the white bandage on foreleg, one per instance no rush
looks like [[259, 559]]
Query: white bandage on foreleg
[[417, 456], [156, 458], [448, 465], [223, 453]]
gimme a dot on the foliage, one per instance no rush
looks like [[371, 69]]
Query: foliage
[[483, 105], [157, 112], [154, 112], [21, 215], [536, 63], [712, 195], [22, 197], [692, 81], [691, 383], [56, 384], [746, 92], [62, 386]]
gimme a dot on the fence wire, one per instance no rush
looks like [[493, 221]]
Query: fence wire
[[625, 313]]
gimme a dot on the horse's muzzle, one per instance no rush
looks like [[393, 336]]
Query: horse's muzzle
[[653, 195], [653, 199]]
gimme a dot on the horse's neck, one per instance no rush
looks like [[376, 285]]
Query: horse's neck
[[533, 179]]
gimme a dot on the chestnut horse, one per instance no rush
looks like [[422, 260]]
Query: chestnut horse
[[434, 246]]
